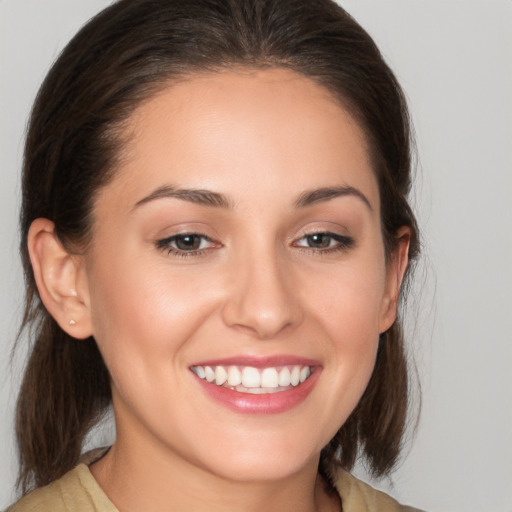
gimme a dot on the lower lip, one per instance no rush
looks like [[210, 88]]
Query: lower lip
[[269, 403]]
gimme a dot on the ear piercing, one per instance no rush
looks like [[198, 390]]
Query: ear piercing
[[73, 293]]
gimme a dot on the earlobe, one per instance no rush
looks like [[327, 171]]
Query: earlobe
[[57, 276], [395, 275]]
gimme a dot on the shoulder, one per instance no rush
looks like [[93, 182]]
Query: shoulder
[[358, 496], [76, 491]]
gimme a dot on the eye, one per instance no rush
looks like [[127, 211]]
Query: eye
[[325, 242], [185, 244]]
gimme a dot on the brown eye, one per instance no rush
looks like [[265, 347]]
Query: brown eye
[[188, 242], [319, 240], [325, 242]]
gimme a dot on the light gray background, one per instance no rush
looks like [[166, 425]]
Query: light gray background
[[454, 59]]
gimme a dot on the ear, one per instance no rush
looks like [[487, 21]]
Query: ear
[[394, 276], [60, 279]]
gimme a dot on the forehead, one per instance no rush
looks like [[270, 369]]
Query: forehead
[[244, 131]]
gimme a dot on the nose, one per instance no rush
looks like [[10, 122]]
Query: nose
[[263, 299]]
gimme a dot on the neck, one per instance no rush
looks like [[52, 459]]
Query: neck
[[161, 482]]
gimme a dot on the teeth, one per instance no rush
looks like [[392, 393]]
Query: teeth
[[269, 378], [234, 376], [295, 376], [257, 391], [221, 375], [284, 377], [248, 379], [199, 371], [209, 374], [251, 377], [304, 374]]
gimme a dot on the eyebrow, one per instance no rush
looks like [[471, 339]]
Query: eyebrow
[[217, 200], [319, 195], [192, 195]]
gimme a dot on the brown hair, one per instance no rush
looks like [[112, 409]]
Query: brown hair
[[122, 57]]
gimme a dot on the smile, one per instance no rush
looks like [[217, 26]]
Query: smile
[[248, 379]]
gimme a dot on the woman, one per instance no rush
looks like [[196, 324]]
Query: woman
[[215, 237]]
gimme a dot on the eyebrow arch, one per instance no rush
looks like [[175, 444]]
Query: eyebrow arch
[[318, 195], [192, 195]]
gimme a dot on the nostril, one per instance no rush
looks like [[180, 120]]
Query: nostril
[[265, 319], [263, 299]]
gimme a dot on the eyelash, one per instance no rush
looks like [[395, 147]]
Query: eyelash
[[342, 243], [165, 245]]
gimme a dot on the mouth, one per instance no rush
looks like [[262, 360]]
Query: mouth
[[252, 380], [258, 385]]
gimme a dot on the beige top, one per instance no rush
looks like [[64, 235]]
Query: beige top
[[78, 491]]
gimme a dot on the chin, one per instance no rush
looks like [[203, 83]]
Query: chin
[[265, 458], [257, 469]]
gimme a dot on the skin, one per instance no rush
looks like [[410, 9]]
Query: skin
[[256, 287]]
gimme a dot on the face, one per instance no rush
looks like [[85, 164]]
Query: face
[[237, 282]]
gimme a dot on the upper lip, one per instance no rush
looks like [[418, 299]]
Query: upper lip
[[260, 361]]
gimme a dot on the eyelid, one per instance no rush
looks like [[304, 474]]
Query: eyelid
[[343, 242], [165, 244]]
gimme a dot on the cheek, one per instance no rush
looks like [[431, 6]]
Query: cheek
[[142, 312], [348, 302], [347, 308]]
